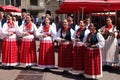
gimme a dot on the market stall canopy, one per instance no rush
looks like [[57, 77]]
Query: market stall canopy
[[10, 8], [71, 6], [77, 5], [113, 4]]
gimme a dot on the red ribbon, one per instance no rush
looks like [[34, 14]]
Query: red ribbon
[[28, 26], [10, 24], [46, 28], [65, 29], [107, 28]]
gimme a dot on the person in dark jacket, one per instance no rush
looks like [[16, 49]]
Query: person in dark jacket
[[23, 18], [70, 21]]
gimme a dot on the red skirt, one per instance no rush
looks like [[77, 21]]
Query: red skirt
[[93, 66], [65, 55], [10, 52], [28, 52], [46, 53], [79, 58]]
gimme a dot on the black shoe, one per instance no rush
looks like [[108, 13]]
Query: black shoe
[[11, 67], [107, 68], [46, 70], [5, 67], [65, 72], [8, 67], [91, 79], [28, 67], [81, 75]]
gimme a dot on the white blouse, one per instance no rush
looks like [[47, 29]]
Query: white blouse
[[23, 31], [58, 38], [7, 30], [40, 33]]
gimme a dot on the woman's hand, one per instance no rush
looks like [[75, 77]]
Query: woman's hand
[[26, 34], [77, 40], [11, 33], [44, 35], [87, 44], [62, 40], [94, 46], [112, 34]]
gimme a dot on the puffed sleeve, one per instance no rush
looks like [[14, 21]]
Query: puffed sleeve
[[115, 31], [87, 31], [54, 27], [58, 35], [101, 29], [101, 40], [4, 29], [20, 33], [72, 34], [1, 33], [35, 28], [38, 32], [53, 32], [77, 27], [17, 29]]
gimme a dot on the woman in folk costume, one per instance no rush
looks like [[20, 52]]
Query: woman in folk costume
[[46, 33], [110, 50], [93, 58], [28, 45], [65, 55], [79, 48], [9, 46]]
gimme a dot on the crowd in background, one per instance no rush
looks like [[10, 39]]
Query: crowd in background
[[82, 48]]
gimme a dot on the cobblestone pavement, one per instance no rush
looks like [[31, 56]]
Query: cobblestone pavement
[[56, 74], [30, 75]]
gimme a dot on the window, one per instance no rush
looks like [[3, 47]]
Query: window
[[13, 2], [34, 2], [18, 3], [7, 2]]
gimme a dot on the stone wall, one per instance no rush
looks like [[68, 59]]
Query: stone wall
[[39, 9], [1, 2], [52, 6]]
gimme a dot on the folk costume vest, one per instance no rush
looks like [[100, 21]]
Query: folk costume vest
[[68, 34], [80, 34], [92, 38]]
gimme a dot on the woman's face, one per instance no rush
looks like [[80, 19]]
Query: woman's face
[[14, 18], [28, 18], [9, 18], [47, 21], [65, 23], [108, 21], [91, 27], [82, 23], [1, 14], [88, 21]]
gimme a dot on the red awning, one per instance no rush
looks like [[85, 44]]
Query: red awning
[[71, 6], [113, 4], [83, 0], [113, 1], [10, 8], [78, 5]]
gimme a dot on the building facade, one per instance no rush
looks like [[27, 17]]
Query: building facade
[[52, 5], [1, 2], [35, 7]]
